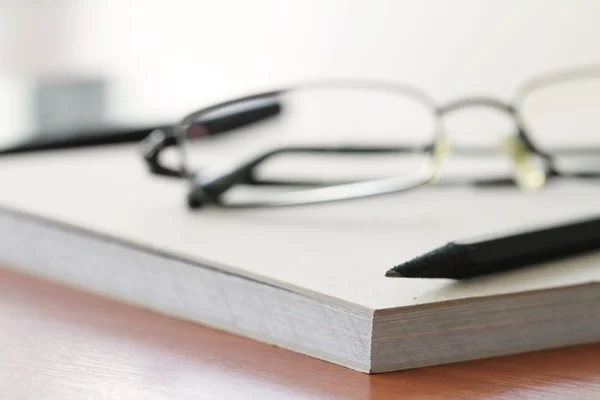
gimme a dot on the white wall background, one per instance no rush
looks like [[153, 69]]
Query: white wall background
[[170, 56]]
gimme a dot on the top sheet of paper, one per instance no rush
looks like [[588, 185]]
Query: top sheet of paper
[[338, 251]]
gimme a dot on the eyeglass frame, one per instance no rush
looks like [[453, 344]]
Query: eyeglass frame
[[520, 147]]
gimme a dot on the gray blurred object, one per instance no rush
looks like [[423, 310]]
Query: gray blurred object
[[60, 76], [69, 104]]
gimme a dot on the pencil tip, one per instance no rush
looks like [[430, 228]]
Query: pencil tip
[[392, 273], [444, 262]]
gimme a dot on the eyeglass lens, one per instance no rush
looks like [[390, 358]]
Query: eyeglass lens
[[315, 125]]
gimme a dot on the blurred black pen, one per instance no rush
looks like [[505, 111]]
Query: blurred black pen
[[216, 124]]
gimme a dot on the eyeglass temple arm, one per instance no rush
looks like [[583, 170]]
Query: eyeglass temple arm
[[244, 173], [209, 187], [161, 139]]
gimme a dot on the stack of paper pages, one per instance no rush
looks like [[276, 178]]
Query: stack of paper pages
[[310, 279]]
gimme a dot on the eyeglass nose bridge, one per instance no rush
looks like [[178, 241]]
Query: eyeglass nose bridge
[[478, 101], [517, 147]]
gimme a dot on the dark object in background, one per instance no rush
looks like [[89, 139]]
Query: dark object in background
[[213, 124], [77, 139]]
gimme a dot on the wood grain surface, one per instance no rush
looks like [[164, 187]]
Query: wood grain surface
[[59, 343]]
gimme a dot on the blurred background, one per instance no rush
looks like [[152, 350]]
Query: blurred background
[[82, 63]]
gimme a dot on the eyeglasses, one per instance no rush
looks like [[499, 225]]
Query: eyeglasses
[[340, 140]]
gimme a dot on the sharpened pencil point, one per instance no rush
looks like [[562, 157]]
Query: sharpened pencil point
[[444, 262], [392, 273]]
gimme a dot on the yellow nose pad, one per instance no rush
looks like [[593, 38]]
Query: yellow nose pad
[[442, 148], [528, 176]]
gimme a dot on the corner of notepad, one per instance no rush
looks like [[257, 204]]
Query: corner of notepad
[[485, 326]]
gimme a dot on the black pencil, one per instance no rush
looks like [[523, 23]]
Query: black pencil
[[471, 258]]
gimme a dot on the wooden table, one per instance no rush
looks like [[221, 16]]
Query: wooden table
[[58, 343]]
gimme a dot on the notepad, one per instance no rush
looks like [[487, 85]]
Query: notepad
[[308, 279]]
